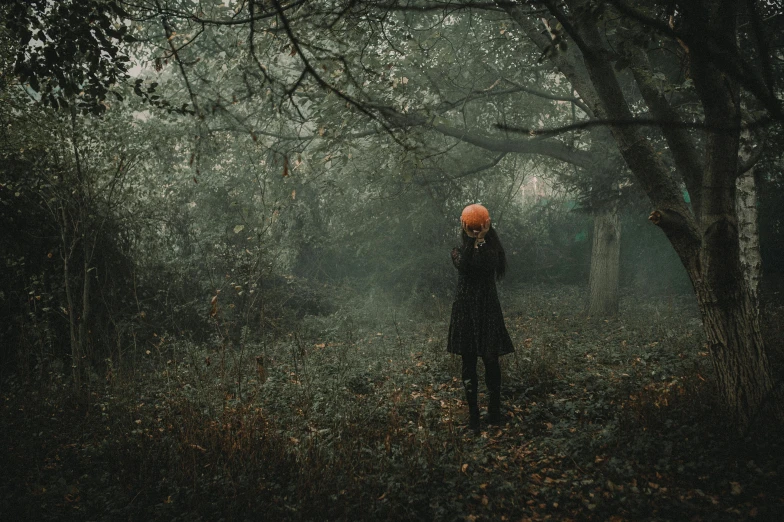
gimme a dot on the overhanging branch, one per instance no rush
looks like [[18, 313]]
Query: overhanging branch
[[552, 149], [629, 122]]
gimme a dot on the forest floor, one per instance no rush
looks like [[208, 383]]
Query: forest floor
[[360, 416]]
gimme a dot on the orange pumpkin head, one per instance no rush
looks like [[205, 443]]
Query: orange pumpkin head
[[475, 216]]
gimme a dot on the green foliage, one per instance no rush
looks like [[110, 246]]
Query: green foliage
[[69, 53]]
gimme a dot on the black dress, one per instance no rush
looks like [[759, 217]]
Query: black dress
[[477, 323]]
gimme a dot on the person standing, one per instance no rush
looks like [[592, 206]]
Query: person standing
[[476, 326]]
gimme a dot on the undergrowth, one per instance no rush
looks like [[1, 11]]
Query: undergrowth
[[359, 415]]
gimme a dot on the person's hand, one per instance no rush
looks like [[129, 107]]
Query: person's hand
[[468, 231], [485, 228], [479, 234], [455, 253]]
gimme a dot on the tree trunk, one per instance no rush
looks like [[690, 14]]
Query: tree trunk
[[605, 255], [85, 316], [87, 252], [743, 372], [728, 304], [748, 231], [75, 352]]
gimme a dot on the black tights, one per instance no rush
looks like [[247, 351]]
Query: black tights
[[492, 378]]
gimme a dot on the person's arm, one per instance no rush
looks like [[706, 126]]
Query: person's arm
[[457, 257], [475, 257], [478, 235]]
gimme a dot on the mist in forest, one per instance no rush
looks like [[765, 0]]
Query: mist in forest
[[237, 282]]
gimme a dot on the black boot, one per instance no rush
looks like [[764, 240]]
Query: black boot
[[470, 385], [494, 408], [473, 406], [473, 418], [493, 381]]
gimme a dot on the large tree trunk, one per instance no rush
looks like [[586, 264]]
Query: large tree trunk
[[605, 255], [727, 301], [732, 327]]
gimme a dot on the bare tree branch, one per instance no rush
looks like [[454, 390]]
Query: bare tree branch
[[308, 69], [466, 173], [251, 19], [681, 145], [492, 92], [169, 32], [553, 149], [634, 122]]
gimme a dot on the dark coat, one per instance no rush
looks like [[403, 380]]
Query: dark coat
[[477, 323]]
